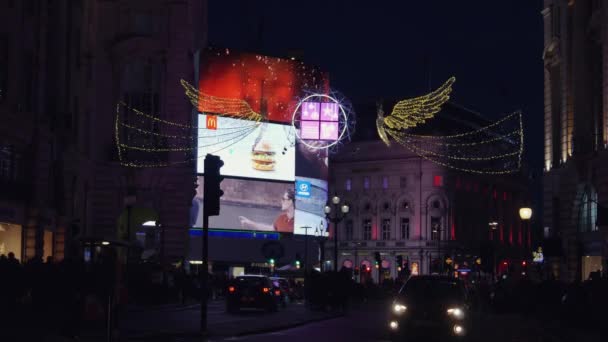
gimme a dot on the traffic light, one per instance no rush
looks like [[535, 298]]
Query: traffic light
[[524, 267], [298, 262], [212, 191], [271, 262]]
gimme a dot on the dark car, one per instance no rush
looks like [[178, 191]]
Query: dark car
[[253, 292], [430, 306]]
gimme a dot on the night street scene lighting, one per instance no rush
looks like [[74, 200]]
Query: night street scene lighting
[[258, 170]]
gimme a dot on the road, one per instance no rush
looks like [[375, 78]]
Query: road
[[370, 325]]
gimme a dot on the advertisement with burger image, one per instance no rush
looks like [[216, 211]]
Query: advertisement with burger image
[[267, 153], [263, 156]]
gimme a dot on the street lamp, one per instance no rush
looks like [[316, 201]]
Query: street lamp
[[337, 217], [321, 238], [525, 213], [437, 230]]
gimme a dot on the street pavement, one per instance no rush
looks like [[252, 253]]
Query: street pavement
[[366, 322], [182, 323], [370, 324]]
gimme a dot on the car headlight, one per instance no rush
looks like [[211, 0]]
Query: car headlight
[[399, 308], [456, 313]]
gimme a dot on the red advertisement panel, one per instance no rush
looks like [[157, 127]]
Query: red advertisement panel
[[271, 86]]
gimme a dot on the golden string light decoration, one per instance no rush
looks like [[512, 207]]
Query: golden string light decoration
[[495, 148], [141, 144], [234, 108], [410, 113]]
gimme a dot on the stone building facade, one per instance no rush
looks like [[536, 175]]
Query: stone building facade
[[575, 178], [402, 204], [64, 65]]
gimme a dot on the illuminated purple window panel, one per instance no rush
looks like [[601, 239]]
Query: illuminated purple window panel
[[309, 130], [329, 111], [310, 110], [329, 130]]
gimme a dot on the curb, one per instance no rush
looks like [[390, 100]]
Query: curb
[[167, 308], [240, 334], [286, 326]]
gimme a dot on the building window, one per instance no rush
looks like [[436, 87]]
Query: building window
[[384, 182], [436, 204], [3, 67], [588, 211], [366, 183], [348, 184], [405, 205], [349, 230], [367, 229], [386, 229], [140, 84], [555, 21], [403, 182], [8, 159], [438, 181], [405, 228], [435, 228]]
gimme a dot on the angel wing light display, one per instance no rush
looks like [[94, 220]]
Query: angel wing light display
[[484, 147]]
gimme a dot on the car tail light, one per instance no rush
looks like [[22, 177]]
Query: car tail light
[[277, 292], [266, 290], [231, 289]]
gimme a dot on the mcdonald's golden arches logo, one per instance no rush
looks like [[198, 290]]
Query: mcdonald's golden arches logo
[[211, 122]]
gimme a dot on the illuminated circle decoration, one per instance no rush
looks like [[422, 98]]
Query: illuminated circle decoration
[[321, 121]]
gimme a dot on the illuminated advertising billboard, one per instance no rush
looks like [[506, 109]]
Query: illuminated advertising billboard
[[269, 85], [263, 162], [311, 197], [266, 152], [249, 205]]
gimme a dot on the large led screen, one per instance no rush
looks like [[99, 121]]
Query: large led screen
[[311, 189], [267, 152], [269, 85], [311, 197], [249, 205]]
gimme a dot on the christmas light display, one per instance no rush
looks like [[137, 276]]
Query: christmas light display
[[235, 108], [495, 148], [322, 121], [412, 112], [139, 146]]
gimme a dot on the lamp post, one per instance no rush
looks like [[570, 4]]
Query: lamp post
[[437, 230], [525, 213], [306, 228], [493, 227], [321, 238], [338, 215]]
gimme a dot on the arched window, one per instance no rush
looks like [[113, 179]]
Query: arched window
[[140, 90], [588, 211]]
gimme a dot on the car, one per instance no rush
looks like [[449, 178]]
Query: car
[[282, 284], [252, 292], [430, 306]]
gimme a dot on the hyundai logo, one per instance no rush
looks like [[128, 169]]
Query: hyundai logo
[[303, 186]]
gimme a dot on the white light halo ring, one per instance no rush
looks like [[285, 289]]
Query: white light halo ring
[[295, 112]]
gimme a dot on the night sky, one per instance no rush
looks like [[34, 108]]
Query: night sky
[[399, 49]]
